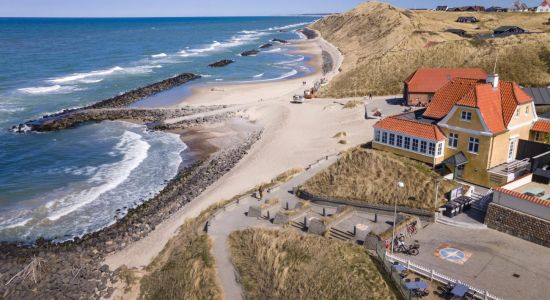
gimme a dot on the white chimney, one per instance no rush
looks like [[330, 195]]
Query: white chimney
[[493, 80]]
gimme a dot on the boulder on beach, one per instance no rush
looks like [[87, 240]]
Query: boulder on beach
[[265, 46], [250, 52], [280, 41], [221, 63]]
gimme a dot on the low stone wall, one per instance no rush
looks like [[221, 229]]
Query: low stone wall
[[367, 207], [521, 225]]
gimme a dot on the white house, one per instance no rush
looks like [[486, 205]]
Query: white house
[[544, 7]]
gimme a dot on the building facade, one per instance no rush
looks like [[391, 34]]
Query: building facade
[[471, 127], [544, 7]]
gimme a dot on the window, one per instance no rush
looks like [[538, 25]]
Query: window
[[415, 145], [511, 149], [384, 137], [517, 112], [392, 139], [453, 140], [527, 110], [537, 136], [423, 145], [399, 141], [407, 144], [377, 135], [439, 149], [431, 149], [466, 116], [473, 145]]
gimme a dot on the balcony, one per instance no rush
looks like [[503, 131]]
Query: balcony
[[509, 171]]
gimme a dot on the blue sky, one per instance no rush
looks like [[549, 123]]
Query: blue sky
[[161, 8]]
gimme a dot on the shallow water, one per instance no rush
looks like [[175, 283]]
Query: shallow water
[[63, 184]]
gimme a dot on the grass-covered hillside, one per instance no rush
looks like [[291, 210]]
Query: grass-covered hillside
[[372, 176], [383, 44], [285, 264]]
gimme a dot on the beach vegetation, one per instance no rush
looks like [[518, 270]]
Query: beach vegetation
[[371, 176], [383, 45], [285, 264]]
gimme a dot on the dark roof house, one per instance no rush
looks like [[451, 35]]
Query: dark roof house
[[459, 32], [467, 20], [509, 30], [541, 96], [441, 8], [496, 9]]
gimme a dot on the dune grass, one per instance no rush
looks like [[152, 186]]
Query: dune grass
[[288, 265], [382, 45], [185, 267], [371, 176]]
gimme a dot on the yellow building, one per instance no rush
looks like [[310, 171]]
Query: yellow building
[[475, 127], [541, 131]]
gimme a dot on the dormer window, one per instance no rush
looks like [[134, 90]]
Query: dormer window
[[466, 116]]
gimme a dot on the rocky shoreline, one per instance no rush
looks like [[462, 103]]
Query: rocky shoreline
[[115, 102], [73, 270]]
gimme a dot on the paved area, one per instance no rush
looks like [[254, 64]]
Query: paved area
[[508, 267]]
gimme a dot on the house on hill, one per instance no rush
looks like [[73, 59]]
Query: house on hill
[[441, 8], [467, 19], [497, 9], [544, 7], [509, 30], [472, 128], [421, 85]]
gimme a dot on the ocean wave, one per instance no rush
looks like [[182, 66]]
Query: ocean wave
[[54, 89], [160, 55], [107, 177], [14, 223], [259, 75], [274, 50], [11, 109], [288, 26], [287, 62], [285, 75], [234, 41], [94, 76], [206, 75]]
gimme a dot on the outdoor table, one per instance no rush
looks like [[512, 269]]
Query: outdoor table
[[416, 285], [399, 268], [459, 290]]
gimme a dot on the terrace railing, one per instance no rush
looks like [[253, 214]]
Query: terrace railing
[[432, 274]]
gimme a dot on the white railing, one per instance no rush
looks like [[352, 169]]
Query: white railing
[[434, 275]]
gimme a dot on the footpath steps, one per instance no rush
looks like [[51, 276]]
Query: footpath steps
[[338, 234]]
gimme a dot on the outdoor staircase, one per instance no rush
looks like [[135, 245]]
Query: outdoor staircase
[[299, 225], [338, 234], [481, 202]]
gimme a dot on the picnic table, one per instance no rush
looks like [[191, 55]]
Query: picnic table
[[459, 290], [416, 285]]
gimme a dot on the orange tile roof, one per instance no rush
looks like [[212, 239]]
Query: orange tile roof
[[497, 106], [413, 128], [429, 80], [541, 126], [446, 97], [523, 196]]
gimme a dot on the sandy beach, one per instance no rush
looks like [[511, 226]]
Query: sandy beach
[[293, 135]]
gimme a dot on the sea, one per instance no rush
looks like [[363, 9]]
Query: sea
[[61, 185]]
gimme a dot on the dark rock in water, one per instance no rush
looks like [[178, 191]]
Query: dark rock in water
[[221, 63], [280, 41], [250, 52], [134, 95], [265, 46]]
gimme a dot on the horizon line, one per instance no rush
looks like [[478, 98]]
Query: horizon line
[[165, 17]]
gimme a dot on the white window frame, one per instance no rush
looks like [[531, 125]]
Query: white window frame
[[410, 142], [512, 149], [472, 143], [527, 109], [431, 148], [391, 139], [518, 110], [407, 143], [423, 147], [399, 141], [384, 137], [415, 144], [377, 135], [466, 116], [439, 149]]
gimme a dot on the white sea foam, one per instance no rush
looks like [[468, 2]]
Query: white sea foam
[[289, 26], [107, 177], [219, 79], [244, 38], [14, 224], [160, 55], [288, 62], [54, 89], [96, 76], [285, 75], [206, 75], [259, 75], [274, 50]]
